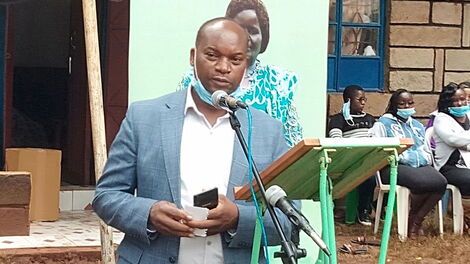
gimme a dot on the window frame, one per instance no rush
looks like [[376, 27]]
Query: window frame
[[337, 58]]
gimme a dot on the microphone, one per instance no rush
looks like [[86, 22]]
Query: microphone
[[276, 196], [220, 99]]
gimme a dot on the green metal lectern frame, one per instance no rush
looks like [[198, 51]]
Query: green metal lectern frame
[[326, 169]]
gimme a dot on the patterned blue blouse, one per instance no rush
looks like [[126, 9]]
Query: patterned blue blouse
[[269, 89]]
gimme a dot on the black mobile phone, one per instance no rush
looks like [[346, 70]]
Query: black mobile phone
[[208, 199]]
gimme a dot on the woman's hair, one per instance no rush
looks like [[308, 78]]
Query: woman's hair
[[393, 103], [445, 98], [237, 6], [464, 85], [350, 90]]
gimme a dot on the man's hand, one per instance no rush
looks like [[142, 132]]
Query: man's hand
[[170, 220], [220, 219]]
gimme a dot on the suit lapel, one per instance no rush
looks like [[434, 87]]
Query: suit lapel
[[171, 130]]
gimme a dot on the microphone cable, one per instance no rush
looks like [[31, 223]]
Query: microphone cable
[[252, 190]]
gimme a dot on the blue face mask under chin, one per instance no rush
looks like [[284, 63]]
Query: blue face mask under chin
[[406, 113], [201, 90], [459, 111], [347, 112]]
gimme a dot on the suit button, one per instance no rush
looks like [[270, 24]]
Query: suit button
[[172, 259]]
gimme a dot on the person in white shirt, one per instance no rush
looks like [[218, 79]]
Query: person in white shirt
[[452, 136], [170, 148]]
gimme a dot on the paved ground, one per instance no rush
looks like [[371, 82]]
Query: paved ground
[[73, 229], [75, 239]]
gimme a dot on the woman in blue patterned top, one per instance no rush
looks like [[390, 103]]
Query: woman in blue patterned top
[[265, 87]]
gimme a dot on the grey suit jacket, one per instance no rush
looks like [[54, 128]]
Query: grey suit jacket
[[145, 159]]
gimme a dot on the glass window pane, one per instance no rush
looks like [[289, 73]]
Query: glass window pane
[[359, 41], [332, 15], [331, 39], [361, 11]]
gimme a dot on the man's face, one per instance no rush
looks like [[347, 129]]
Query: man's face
[[358, 101], [220, 57]]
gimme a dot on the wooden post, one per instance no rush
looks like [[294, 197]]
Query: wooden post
[[97, 113]]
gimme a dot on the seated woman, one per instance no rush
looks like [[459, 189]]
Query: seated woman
[[415, 172], [265, 87], [463, 85], [452, 136], [352, 122]]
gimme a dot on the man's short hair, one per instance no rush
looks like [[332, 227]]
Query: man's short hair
[[350, 90], [213, 21]]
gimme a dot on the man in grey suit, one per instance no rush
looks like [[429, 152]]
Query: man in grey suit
[[178, 145]]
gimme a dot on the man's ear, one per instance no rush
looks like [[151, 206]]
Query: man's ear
[[191, 56]]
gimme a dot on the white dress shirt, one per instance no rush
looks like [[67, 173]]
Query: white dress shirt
[[205, 163]]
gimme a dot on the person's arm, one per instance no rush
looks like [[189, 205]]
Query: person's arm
[[114, 200], [444, 128], [335, 126], [292, 128], [378, 130], [426, 150]]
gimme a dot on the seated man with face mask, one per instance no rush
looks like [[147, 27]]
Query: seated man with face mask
[[353, 122]]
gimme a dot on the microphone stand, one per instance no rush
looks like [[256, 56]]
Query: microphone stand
[[299, 252], [287, 246]]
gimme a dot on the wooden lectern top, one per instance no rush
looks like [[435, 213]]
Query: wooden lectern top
[[353, 161]]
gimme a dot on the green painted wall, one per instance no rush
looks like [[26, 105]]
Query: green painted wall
[[163, 31]]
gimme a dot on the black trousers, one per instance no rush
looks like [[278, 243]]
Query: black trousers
[[419, 180], [365, 193], [460, 177]]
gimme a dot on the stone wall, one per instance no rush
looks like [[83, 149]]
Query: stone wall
[[428, 46]]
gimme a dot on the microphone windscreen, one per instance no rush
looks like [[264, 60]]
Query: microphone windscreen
[[274, 193], [216, 96]]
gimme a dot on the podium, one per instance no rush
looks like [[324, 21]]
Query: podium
[[325, 169]]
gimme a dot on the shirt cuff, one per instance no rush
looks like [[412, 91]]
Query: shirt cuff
[[151, 232]]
